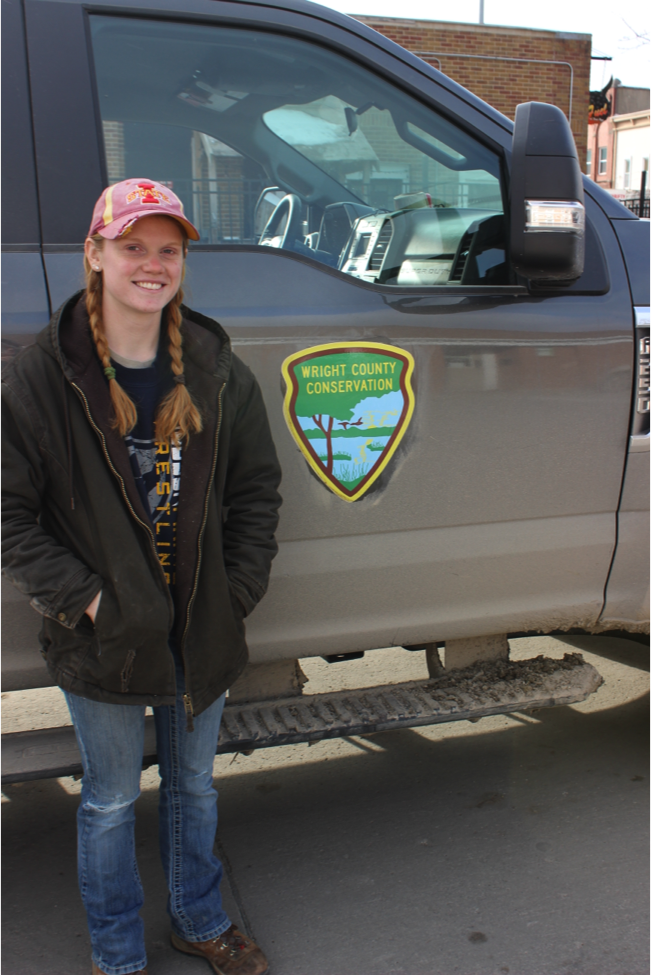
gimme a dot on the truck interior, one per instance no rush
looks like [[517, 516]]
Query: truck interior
[[275, 141]]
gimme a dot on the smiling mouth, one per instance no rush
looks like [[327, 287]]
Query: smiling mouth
[[149, 285]]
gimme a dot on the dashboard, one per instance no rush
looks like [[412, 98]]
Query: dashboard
[[414, 247]]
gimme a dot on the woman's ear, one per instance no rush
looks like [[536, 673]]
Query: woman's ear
[[93, 254]]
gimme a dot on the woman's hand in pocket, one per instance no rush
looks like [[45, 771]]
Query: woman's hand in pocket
[[91, 609]]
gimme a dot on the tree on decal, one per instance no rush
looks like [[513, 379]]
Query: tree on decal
[[325, 408]]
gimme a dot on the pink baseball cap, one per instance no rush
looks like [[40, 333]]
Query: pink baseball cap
[[122, 204]]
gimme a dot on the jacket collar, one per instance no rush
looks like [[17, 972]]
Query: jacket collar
[[67, 339]]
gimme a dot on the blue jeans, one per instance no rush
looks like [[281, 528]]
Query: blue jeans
[[111, 741]]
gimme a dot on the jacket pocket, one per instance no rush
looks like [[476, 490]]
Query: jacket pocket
[[239, 612], [108, 625], [66, 650]]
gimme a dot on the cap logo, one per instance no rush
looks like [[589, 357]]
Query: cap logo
[[147, 193]]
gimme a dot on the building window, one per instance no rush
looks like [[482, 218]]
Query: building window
[[627, 173], [603, 159], [588, 163]]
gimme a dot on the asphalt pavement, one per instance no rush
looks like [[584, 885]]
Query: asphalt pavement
[[516, 845]]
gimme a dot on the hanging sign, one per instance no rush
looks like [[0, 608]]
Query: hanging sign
[[348, 405], [598, 105]]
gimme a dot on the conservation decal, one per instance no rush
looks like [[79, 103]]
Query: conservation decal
[[348, 405]]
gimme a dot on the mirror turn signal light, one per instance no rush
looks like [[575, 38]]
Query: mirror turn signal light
[[543, 216]]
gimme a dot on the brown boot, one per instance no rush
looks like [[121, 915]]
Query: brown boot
[[98, 971], [232, 953]]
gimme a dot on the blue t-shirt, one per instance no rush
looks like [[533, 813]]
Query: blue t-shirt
[[156, 465]]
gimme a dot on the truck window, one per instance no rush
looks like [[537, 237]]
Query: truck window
[[275, 141]]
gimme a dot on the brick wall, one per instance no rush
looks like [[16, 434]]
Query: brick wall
[[503, 84]]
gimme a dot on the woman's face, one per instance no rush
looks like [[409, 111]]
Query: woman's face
[[141, 271]]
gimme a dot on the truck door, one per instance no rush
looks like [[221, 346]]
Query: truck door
[[352, 215]]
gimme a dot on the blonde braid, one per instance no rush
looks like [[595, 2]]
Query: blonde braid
[[177, 415], [125, 414]]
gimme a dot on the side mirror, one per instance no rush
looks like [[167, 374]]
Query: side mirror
[[547, 213]]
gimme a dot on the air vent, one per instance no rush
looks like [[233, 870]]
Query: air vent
[[380, 249], [461, 264], [462, 257]]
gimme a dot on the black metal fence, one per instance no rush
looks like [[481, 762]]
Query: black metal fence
[[634, 206]]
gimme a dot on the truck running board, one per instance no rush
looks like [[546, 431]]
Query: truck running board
[[495, 687]]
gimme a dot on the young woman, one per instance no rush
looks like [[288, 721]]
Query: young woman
[[140, 504]]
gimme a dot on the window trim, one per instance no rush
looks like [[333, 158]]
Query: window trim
[[68, 159], [379, 289], [21, 216]]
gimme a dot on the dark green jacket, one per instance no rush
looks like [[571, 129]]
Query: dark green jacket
[[73, 521]]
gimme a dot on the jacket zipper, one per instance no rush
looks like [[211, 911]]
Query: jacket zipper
[[119, 478], [189, 710], [187, 697]]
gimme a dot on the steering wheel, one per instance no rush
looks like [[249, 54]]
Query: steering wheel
[[283, 234]]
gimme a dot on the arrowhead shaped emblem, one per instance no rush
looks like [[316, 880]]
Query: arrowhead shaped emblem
[[347, 406]]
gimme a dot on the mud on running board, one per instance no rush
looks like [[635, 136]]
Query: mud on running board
[[489, 688], [496, 687]]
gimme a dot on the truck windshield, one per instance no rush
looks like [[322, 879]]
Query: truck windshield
[[365, 152]]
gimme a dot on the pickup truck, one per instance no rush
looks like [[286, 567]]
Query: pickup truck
[[449, 323]]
